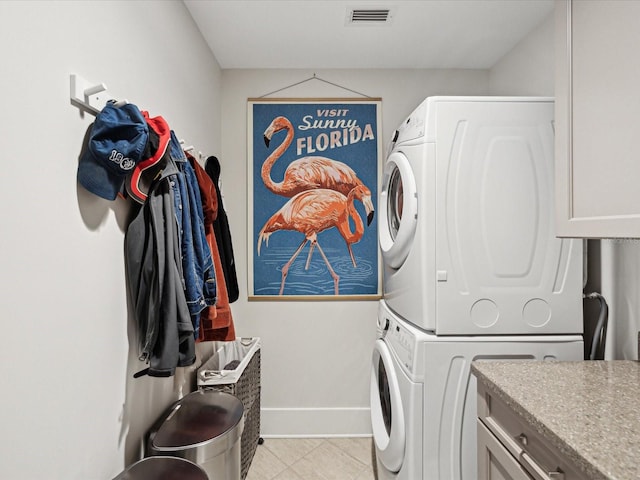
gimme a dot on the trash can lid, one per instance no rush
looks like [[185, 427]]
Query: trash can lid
[[199, 417], [163, 468]]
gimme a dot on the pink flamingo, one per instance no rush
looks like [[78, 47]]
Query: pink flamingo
[[313, 211], [304, 173]]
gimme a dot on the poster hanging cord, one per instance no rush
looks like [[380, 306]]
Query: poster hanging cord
[[314, 77]]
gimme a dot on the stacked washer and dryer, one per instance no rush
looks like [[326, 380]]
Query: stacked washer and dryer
[[472, 270]]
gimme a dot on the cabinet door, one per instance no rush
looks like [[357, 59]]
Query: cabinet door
[[494, 461], [597, 118]]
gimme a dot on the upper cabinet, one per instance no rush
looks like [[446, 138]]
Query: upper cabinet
[[597, 118]]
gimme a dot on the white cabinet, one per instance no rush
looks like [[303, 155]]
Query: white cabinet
[[597, 118], [510, 449]]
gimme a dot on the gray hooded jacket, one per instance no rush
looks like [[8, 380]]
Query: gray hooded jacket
[[153, 262]]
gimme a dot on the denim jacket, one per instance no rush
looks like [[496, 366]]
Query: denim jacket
[[197, 264]]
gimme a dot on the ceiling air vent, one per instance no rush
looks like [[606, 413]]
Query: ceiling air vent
[[369, 16]]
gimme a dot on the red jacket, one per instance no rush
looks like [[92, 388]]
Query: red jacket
[[216, 323]]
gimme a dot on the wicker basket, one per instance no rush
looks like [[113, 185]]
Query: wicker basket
[[244, 383]]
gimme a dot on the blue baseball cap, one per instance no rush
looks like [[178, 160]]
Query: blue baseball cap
[[116, 145]]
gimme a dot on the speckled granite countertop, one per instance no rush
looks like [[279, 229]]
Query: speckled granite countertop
[[588, 411]]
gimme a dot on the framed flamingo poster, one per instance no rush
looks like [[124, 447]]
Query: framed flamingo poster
[[314, 168]]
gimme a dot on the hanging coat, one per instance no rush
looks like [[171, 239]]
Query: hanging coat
[[216, 323], [222, 232], [154, 273]]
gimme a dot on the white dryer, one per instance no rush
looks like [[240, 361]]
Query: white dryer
[[423, 398], [466, 221]]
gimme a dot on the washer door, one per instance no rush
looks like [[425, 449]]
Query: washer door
[[387, 414], [398, 220]]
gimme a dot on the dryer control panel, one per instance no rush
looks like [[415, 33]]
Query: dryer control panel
[[413, 127]]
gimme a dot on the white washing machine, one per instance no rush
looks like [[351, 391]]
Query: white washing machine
[[423, 398], [466, 221]]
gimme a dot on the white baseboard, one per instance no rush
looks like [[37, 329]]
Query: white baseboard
[[315, 422]]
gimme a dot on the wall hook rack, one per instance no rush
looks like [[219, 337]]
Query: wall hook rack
[[188, 148], [89, 96]]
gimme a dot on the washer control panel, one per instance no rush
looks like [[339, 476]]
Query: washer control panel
[[383, 327], [402, 342]]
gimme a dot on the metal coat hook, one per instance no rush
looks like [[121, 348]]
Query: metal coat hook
[[89, 96], [188, 148], [96, 89]]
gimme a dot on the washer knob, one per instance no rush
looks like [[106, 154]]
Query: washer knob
[[383, 326]]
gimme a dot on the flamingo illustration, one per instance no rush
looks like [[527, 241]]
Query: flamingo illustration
[[313, 211], [304, 173]]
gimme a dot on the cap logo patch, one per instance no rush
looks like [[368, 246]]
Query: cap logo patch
[[125, 162]]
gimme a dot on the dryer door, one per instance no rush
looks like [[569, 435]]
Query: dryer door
[[387, 415], [399, 210]]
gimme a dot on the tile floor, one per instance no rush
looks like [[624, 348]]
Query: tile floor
[[312, 459]]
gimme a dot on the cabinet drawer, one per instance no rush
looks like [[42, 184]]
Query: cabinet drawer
[[494, 461], [529, 447]]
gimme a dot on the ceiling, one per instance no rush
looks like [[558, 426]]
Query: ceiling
[[316, 33]]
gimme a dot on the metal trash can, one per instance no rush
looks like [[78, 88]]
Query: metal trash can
[[235, 368], [163, 468], [204, 427]]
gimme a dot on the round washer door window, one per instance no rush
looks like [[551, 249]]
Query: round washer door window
[[398, 210], [387, 415]]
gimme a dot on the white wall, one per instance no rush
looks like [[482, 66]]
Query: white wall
[[315, 355], [620, 283], [70, 408], [528, 69]]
